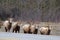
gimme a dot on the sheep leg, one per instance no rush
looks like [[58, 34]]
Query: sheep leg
[[48, 32], [25, 32], [13, 30], [30, 32], [18, 31], [5, 29], [36, 31]]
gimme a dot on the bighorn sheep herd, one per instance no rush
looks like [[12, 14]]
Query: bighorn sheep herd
[[14, 26]]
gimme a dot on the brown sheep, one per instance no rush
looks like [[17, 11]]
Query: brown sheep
[[29, 28], [7, 25], [15, 27], [26, 28], [45, 30]]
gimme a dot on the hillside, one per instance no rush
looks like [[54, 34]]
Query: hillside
[[36, 10]]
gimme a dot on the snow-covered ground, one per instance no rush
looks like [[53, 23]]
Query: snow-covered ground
[[20, 36]]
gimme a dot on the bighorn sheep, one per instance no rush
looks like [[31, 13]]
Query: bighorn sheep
[[29, 28], [45, 30], [26, 28], [15, 27], [7, 25]]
